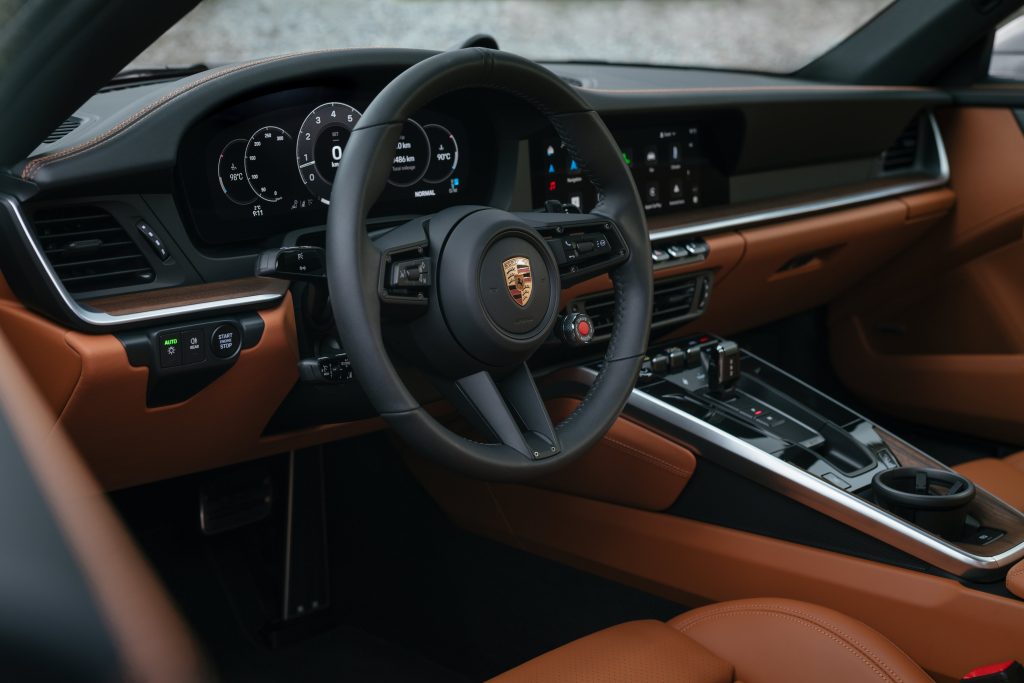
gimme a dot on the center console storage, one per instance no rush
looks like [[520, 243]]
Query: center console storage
[[753, 418]]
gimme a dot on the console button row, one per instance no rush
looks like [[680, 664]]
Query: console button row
[[693, 250], [188, 346]]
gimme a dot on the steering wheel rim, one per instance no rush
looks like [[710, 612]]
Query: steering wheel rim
[[354, 263]]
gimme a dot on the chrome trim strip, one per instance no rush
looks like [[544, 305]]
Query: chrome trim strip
[[106, 320], [814, 492], [740, 220], [792, 482]]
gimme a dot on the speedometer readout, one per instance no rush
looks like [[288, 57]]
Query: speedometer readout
[[321, 144]]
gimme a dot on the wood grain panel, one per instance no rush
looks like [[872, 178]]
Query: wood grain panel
[[172, 297], [985, 507]]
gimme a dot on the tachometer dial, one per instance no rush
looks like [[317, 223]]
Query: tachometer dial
[[412, 154], [321, 143], [444, 153], [231, 173], [268, 151]]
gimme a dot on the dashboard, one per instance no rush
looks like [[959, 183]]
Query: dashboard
[[266, 164], [140, 229]]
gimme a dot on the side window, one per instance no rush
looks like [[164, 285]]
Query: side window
[[1008, 50]]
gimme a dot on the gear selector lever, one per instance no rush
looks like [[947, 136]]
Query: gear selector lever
[[722, 362]]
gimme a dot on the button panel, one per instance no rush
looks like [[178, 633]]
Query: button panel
[[155, 243], [690, 251], [181, 360]]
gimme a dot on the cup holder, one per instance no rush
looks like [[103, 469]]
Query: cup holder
[[935, 500]]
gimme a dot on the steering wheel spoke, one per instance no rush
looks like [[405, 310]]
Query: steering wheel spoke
[[510, 410], [584, 245]]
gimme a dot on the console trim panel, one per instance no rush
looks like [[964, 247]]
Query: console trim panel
[[808, 489]]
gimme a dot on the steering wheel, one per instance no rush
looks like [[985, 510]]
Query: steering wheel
[[468, 294]]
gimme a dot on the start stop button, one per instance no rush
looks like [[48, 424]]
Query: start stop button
[[225, 340]]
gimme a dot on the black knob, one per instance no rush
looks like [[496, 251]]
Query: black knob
[[576, 329]]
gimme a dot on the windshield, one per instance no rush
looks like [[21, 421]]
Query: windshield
[[758, 35]]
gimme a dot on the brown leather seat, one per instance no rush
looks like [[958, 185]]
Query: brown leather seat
[[754, 641], [1002, 477]]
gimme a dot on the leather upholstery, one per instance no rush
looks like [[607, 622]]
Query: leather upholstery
[[630, 466], [1002, 477], [769, 640], [154, 642], [1015, 579], [756, 641], [648, 651]]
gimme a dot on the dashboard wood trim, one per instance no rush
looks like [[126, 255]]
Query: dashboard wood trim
[[189, 295]]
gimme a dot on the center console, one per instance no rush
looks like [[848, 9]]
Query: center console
[[755, 419]]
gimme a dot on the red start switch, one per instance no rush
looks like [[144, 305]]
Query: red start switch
[[576, 329]]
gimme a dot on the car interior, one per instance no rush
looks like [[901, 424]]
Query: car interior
[[396, 364]]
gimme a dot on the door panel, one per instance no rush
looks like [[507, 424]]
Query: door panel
[[937, 335]]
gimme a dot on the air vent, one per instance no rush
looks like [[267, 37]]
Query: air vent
[[675, 300], [903, 153], [89, 249], [62, 130]]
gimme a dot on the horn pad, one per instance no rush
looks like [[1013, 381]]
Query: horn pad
[[498, 286]]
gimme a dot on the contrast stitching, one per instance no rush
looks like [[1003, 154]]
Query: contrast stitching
[[636, 452], [769, 609], [31, 168], [816, 627]]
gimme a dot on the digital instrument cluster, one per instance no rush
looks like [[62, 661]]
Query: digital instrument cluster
[[673, 167], [269, 165]]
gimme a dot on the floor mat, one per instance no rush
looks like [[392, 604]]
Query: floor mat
[[413, 597]]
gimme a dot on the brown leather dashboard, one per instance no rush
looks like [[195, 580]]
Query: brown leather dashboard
[[99, 398]]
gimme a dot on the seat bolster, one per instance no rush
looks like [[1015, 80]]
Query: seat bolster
[[1002, 477], [773, 640], [648, 651]]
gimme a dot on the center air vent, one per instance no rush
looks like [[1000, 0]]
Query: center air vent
[[676, 300], [902, 154], [63, 129], [89, 249]]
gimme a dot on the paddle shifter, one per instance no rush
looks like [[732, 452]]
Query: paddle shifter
[[722, 362]]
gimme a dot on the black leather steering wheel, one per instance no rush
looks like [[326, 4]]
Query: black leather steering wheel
[[470, 293]]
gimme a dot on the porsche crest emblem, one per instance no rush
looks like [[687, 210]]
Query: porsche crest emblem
[[518, 279]]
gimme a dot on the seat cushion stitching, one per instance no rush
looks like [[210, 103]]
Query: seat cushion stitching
[[858, 651], [810, 617]]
